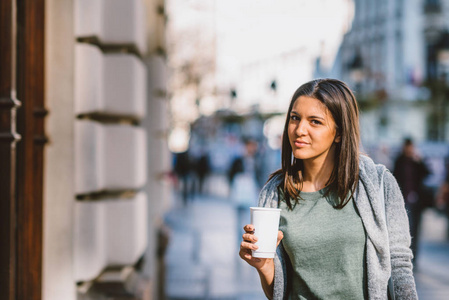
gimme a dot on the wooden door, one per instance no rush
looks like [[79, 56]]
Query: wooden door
[[22, 140], [8, 140]]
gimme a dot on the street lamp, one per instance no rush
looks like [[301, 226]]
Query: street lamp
[[273, 85]]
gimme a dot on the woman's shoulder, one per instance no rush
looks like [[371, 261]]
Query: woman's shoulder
[[370, 170], [268, 196], [274, 180]]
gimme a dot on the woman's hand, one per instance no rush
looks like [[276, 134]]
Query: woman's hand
[[248, 244], [264, 266]]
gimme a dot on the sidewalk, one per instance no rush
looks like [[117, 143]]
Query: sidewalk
[[202, 258], [432, 274], [203, 263]]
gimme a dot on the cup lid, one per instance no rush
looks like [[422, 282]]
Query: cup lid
[[265, 208]]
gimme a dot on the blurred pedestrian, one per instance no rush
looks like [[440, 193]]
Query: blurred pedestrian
[[334, 241], [183, 172], [245, 163], [202, 170], [410, 172]]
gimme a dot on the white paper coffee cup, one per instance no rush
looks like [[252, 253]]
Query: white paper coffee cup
[[266, 227]]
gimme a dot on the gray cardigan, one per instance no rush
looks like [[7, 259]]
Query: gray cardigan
[[378, 252]]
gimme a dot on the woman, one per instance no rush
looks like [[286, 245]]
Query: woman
[[335, 242]]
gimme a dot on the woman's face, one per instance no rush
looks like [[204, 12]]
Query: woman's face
[[311, 129]]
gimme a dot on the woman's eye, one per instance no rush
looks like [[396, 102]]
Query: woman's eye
[[294, 118], [316, 122]]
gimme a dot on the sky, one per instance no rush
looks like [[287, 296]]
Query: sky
[[247, 31], [254, 29], [251, 42]]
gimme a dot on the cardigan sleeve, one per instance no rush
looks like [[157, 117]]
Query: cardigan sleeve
[[269, 197], [282, 274], [399, 237]]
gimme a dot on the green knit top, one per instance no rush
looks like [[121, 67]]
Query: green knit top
[[326, 247]]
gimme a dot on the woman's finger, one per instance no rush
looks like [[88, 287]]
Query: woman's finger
[[245, 253], [280, 237], [249, 228], [249, 237], [248, 256], [246, 245]]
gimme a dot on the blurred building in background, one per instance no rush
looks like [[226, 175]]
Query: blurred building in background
[[395, 57], [245, 57], [266, 49], [83, 137]]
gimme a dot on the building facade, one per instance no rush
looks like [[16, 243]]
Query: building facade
[[386, 57], [84, 149]]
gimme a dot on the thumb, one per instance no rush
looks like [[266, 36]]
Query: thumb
[[280, 237]]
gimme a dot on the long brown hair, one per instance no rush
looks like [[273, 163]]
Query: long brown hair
[[340, 101]]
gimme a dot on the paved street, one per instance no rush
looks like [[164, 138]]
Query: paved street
[[202, 257], [432, 274]]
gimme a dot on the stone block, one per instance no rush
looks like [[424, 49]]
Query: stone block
[[125, 157], [89, 149], [127, 229], [88, 79], [109, 157], [124, 86], [90, 253], [113, 22]]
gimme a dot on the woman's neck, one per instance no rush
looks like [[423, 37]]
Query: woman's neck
[[317, 172]]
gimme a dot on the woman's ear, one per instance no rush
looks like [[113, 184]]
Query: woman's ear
[[337, 138]]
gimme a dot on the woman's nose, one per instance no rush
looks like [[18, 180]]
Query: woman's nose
[[301, 129]]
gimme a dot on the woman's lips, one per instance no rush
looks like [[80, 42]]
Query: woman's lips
[[300, 144]]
